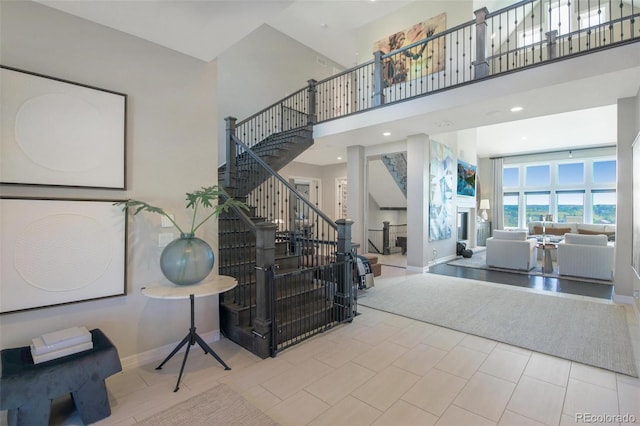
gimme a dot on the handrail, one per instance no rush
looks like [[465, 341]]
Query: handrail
[[275, 104], [283, 181]]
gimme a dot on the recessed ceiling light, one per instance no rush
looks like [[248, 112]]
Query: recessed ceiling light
[[339, 158], [386, 134], [524, 138], [516, 109]]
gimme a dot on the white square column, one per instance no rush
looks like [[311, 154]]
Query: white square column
[[418, 157], [357, 195]]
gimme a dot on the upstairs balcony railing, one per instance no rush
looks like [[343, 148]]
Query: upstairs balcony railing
[[528, 33]]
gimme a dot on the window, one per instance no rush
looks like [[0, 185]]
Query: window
[[537, 205], [571, 174], [511, 177], [560, 18], [604, 172], [570, 206], [538, 176], [580, 189], [604, 206], [511, 211]]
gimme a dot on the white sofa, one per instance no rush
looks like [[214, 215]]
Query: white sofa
[[587, 256], [562, 228], [511, 250]]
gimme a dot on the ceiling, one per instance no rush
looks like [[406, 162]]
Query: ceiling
[[205, 29]]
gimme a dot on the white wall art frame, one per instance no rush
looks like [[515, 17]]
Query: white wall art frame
[[59, 251], [635, 219], [59, 133]]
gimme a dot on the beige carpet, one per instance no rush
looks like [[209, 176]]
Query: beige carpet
[[585, 331], [220, 405]]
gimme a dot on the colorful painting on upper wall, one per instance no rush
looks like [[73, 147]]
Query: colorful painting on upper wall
[[466, 179], [419, 61], [441, 192]]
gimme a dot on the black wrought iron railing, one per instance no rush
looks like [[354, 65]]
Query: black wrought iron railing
[[528, 33]]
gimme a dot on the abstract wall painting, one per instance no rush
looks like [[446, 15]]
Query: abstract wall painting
[[420, 61], [57, 133], [59, 251], [466, 179], [441, 183]]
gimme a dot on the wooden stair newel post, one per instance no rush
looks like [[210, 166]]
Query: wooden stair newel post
[[385, 238], [378, 79], [230, 170], [312, 101], [344, 297], [480, 64], [264, 344]]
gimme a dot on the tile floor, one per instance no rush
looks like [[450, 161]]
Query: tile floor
[[384, 369]]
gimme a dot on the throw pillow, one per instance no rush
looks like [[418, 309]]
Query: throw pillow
[[537, 230], [611, 236]]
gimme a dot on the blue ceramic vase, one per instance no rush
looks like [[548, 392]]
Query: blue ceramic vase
[[186, 260]]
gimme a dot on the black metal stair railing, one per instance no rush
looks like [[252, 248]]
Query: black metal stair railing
[[527, 33]]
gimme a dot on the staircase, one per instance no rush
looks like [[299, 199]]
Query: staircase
[[397, 166], [283, 251]]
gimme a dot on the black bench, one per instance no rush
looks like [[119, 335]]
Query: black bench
[[27, 389]]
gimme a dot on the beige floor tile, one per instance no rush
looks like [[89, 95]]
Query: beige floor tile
[[296, 378], [462, 362], [585, 397], [512, 348], [444, 338], [479, 344], [345, 351], [255, 374], [380, 356], [548, 369], [456, 416], [261, 398], [125, 383], [349, 411], [505, 364], [509, 418], [403, 413], [593, 375], [376, 335], [313, 348], [538, 400], [435, 391], [298, 410], [485, 395], [340, 382], [413, 335], [629, 397], [385, 388], [420, 359]]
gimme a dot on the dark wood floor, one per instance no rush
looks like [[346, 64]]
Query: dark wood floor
[[560, 285]]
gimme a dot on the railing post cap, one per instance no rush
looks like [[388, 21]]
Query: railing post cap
[[266, 225], [344, 222], [483, 11]]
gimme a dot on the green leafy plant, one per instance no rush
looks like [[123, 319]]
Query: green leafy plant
[[206, 197]]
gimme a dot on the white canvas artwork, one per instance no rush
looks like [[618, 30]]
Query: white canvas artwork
[[60, 251], [54, 132]]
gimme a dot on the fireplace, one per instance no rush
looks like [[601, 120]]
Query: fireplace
[[462, 222]]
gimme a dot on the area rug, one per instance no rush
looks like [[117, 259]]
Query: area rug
[[479, 261], [220, 405], [588, 332]]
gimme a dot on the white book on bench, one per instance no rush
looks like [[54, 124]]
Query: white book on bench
[[61, 352], [59, 340]]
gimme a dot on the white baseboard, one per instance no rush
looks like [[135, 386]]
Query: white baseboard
[[627, 300], [418, 269], [147, 357]]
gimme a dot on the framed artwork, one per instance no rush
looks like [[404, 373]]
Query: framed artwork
[[466, 179], [635, 259], [59, 133], [425, 59], [441, 192], [59, 251]]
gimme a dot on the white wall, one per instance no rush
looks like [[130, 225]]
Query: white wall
[[261, 69], [171, 149]]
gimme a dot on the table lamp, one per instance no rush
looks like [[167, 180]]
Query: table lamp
[[484, 206]]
